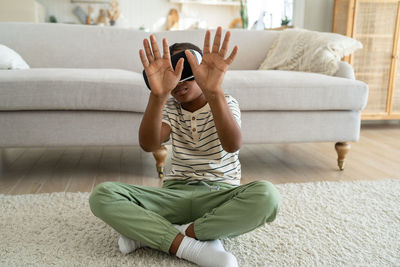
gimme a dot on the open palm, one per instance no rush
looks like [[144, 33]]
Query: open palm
[[160, 74], [210, 73]]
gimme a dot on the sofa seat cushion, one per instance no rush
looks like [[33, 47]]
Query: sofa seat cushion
[[122, 90], [72, 89], [290, 90]]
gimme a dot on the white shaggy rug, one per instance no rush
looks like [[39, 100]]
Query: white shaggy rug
[[320, 224]]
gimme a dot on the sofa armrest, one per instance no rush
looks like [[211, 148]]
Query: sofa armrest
[[345, 70]]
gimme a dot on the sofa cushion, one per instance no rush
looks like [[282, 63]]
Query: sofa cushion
[[291, 90], [72, 89], [310, 51], [121, 90], [11, 60]]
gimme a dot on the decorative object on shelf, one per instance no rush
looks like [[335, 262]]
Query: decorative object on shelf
[[281, 28], [102, 18], [52, 19], [113, 13], [243, 13], [81, 14], [236, 23], [207, 2], [89, 18], [173, 20], [285, 21], [259, 24], [143, 28]]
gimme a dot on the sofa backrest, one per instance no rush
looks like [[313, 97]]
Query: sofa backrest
[[253, 45], [47, 45]]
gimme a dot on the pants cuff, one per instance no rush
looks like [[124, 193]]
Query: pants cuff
[[198, 231], [168, 239]]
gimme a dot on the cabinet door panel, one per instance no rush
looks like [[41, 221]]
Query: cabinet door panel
[[396, 93], [375, 26]]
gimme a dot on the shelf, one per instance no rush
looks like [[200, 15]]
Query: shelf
[[206, 2], [91, 1]]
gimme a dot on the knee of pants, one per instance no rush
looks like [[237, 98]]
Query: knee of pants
[[100, 197], [267, 199]]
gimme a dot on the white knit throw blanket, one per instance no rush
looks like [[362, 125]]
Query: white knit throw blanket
[[309, 51]]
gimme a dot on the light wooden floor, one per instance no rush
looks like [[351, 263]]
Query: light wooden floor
[[73, 169]]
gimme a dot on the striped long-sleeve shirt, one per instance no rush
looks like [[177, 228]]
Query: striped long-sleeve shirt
[[197, 150]]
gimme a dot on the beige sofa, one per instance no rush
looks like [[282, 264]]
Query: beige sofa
[[85, 87]]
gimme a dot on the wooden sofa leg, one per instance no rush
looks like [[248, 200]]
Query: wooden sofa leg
[[342, 148], [160, 155]]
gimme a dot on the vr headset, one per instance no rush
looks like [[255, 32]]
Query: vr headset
[[187, 74]]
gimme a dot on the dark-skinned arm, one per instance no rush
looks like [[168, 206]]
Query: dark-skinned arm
[[152, 132], [209, 76], [228, 130], [162, 79]]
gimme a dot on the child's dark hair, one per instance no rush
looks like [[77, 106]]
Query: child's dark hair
[[184, 46]]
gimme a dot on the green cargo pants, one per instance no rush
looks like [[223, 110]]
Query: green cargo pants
[[217, 209]]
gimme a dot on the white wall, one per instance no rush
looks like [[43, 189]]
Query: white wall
[[318, 15]]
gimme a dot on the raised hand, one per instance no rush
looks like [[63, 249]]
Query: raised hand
[[160, 74], [210, 73]]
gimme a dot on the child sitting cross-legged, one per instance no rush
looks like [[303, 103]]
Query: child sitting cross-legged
[[201, 200]]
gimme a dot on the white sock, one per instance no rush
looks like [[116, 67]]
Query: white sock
[[127, 245], [204, 253], [182, 228], [216, 243]]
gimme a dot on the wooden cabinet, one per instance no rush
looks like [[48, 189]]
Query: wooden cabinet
[[375, 23], [22, 11]]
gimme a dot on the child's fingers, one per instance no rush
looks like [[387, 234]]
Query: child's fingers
[[166, 54], [154, 45], [217, 40], [179, 67], [147, 49], [191, 60], [143, 58], [224, 48], [232, 56], [206, 47]]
